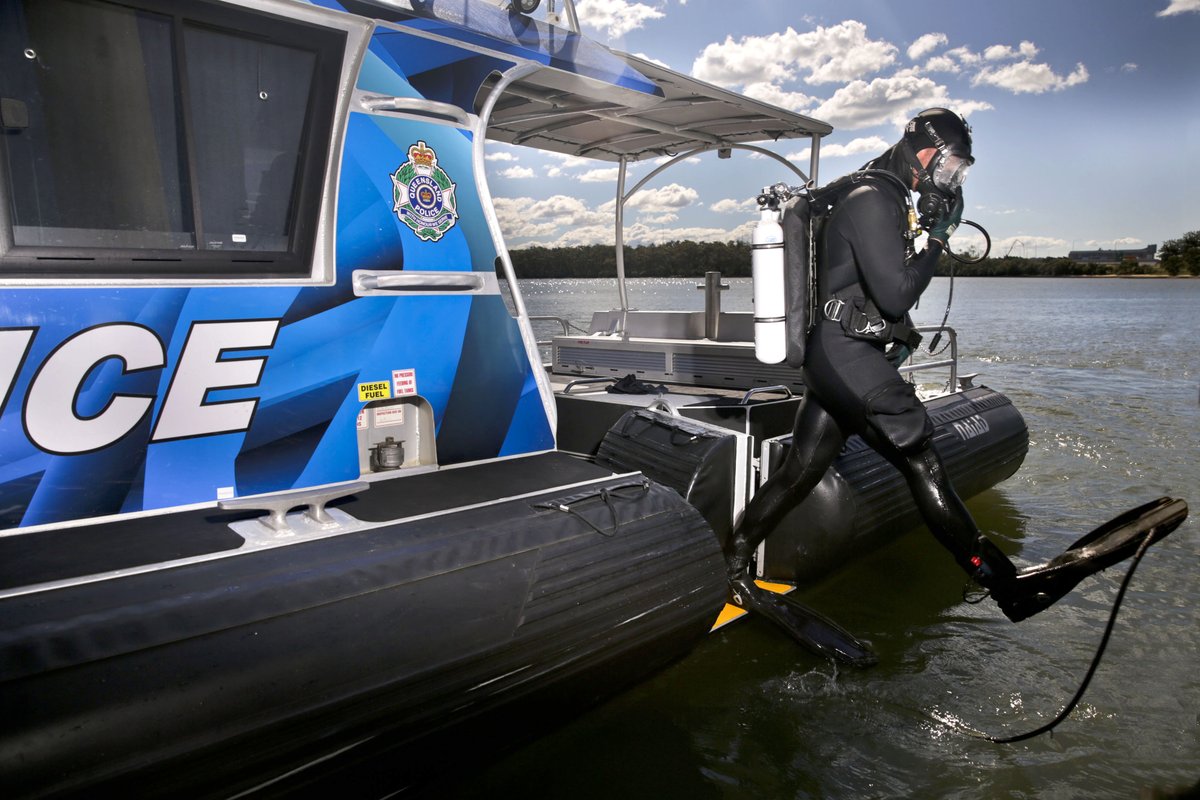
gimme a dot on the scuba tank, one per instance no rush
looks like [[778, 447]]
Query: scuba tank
[[770, 290]]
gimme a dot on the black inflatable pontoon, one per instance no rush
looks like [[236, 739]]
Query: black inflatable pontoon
[[461, 591]]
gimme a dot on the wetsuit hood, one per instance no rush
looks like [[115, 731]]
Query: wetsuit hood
[[897, 160]]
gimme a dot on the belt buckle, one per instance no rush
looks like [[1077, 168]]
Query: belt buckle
[[871, 328], [833, 309]]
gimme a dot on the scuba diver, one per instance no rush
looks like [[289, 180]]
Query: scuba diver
[[868, 278]]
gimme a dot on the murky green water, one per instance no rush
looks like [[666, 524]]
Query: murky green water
[[1107, 374]]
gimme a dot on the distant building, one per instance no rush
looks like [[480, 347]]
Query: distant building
[[1143, 256]]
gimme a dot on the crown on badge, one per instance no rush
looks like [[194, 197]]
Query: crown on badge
[[421, 155]]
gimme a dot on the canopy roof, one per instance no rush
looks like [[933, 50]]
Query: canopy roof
[[588, 100], [690, 114]]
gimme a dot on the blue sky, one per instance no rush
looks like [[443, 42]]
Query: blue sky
[[1086, 114]]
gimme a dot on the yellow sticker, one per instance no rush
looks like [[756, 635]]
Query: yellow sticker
[[376, 390]]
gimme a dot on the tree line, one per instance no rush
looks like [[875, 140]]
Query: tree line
[[686, 259]]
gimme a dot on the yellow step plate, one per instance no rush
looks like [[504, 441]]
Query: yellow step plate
[[731, 612]]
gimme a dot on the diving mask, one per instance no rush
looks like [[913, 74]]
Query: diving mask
[[948, 171]]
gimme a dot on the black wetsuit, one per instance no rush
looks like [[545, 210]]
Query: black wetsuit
[[853, 389], [867, 282]]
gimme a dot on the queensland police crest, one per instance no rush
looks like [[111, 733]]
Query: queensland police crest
[[424, 194]]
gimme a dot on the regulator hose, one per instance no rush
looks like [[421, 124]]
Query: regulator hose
[[987, 247], [956, 257], [1091, 672]]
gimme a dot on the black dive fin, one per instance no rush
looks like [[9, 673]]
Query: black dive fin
[[1040, 587], [811, 630]]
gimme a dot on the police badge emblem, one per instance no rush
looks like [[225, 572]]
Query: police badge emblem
[[424, 194]]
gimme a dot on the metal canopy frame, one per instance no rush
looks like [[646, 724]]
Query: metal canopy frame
[[623, 197], [690, 118]]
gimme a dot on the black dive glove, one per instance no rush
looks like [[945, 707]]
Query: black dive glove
[[946, 226]]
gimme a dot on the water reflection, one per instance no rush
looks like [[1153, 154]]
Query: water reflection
[[1111, 404]]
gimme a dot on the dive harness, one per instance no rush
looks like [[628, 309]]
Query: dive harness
[[860, 318]]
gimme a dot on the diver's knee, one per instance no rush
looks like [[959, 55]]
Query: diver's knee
[[895, 415]]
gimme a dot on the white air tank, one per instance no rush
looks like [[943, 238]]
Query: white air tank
[[770, 295]]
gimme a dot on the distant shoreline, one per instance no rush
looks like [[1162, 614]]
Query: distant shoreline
[[1153, 275], [732, 259]]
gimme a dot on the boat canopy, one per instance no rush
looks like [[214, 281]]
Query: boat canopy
[[691, 114], [588, 100]]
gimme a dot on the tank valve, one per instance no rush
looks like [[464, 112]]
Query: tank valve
[[388, 454]]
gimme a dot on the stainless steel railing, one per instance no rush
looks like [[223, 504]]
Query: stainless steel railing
[[940, 363]]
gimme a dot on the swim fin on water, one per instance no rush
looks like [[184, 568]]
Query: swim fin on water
[[1035, 589], [818, 633]]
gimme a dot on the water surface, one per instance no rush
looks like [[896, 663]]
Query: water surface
[[1107, 375]]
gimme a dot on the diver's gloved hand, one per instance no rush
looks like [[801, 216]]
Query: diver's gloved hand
[[945, 227]]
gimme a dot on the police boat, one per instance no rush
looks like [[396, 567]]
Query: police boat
[[285, 487]]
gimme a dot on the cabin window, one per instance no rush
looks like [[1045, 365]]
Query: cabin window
[[153, 138]]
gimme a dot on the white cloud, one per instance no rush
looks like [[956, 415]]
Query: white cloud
[[873, 145], [524, 216], [741, 233], [567, 162], [926, 44], [615, 17], [589, 234], [770, 93], [844, 52], [671, 197], [640, 233], [500, 156], [964, 56], [942, 64], [1002, 52], [564, 221], [517, 173], [753, 58], [661, 219], [859, 104], [1025, 77], [1180, 7], [730, 206], [1129, 67], [839, 53], [602, 175]]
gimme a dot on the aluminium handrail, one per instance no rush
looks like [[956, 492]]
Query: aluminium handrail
[[951, 362]]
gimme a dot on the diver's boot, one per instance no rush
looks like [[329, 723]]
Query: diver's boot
[[1035, 589], [817, 633]]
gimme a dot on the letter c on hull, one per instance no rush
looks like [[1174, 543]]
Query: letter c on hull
[[52, 420]]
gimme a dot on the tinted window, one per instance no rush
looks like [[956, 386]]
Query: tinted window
[[167, 138], [96, 162], [248, 101]]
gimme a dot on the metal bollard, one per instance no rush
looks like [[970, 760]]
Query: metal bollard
[[712, 303]]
